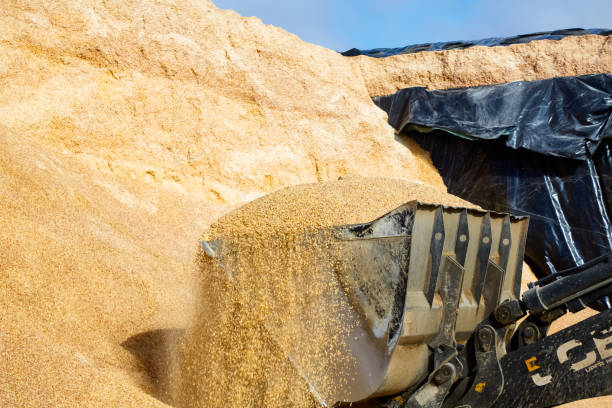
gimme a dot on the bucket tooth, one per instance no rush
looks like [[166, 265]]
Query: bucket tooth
[[493, 283], [484, 250], [463, 238], [435, 251], [451, 281], [505, 242]]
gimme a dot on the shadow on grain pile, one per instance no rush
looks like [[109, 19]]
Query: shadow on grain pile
[[156, 351]]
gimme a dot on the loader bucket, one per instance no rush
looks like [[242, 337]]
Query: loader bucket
[[380, 307]]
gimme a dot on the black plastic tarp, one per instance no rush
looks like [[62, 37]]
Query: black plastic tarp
[[489, 42], [565, 117], [530, 148]]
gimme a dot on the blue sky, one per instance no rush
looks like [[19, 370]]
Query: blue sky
[[365, 24]]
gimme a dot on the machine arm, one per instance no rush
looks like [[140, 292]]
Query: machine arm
[[534, 369], [573, 364]]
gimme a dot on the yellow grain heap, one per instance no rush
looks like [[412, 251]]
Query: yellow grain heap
[[127, 127], [271, 292]]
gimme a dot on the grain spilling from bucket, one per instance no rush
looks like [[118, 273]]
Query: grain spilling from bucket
[[273, 314]]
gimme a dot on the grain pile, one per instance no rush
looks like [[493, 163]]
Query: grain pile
[[480, 65], [126, 128], [340, 202], [86, 263], [184, 96], [271, 289]]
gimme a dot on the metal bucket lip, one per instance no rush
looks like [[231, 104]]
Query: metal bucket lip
[[500, 214], [417, 204], [341, 230]]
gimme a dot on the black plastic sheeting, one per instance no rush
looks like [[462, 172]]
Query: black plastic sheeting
[[566, 117], [552, 163], [489, 42]]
